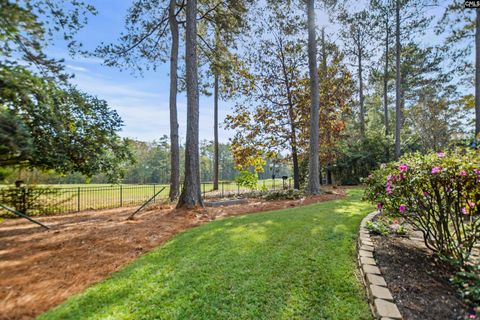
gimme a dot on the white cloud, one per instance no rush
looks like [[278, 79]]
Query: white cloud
[[76, 68]]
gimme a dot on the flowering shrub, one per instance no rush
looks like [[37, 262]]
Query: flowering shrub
[[438, 193]]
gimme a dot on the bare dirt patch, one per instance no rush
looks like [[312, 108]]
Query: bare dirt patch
[[418, 280], [40, 268]]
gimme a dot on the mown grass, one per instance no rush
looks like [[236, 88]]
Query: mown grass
[[290, 264], [79, 197]]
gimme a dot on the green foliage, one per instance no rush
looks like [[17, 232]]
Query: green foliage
[[437, 193], [377, 227], [34, 200], [358, 157], [57, 127], [247, 179], [27, 27], [296, 263], [290, 194], [385, 225], [468, 282]]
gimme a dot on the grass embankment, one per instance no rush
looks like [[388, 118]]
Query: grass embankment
[[290, 264]]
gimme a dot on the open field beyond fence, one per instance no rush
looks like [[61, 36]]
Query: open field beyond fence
[[80, 197]]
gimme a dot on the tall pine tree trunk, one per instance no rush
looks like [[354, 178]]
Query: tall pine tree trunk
[[477, 75], [191, 194], [313, 172], [385, 83], [398, 84], [174, 144], [362, 105], [215, 135]]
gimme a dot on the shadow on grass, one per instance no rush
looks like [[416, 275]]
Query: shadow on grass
[[296, 263]]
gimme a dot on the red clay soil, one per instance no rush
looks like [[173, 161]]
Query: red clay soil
[[40, 268]]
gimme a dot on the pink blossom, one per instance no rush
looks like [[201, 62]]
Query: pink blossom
[[464, 210], [403, 167], [426, 194], [441, 154], [389, 187], [472, 316], [389, 178], [436, 170], [471, 204], [379, 206], [402, 208], [395, 221], [463, 173]]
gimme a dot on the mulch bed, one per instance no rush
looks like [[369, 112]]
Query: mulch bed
[[40, 268], [418, 281]]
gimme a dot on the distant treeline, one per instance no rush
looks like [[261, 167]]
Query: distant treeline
[[152, 165]]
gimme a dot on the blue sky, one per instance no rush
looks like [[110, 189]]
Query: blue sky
[[142, 102]]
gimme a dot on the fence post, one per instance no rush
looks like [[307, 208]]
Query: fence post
[[121, 196], [273, 184], [78, 199], [238, 189], [154, 193], [223, 182]]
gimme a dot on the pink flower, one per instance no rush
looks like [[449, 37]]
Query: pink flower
[[379, 206], [402, 208], [464, 210], [389, 187], [471, 204], [472, 316], [463, 173], [426, 194], [436, 170], [395, 221], [441, 154], [403, 167], [389, 178]]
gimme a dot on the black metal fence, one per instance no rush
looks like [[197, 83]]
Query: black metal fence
[[81, 198]]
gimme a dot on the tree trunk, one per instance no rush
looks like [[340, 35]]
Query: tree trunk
[[385, 83], [398, 84], [191, 193], [385, 89], [329, 175], [174, 145], [215, 135], [313, 173], [360, 82], [477, 75]]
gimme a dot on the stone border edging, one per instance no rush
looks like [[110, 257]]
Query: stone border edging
[[379, 296]]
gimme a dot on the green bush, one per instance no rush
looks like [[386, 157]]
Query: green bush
[[468, 280], [290, 194], [32, 200], [247, 179], [385, 226], [437, 193]]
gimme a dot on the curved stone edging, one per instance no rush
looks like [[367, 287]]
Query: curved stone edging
[[379, 296]]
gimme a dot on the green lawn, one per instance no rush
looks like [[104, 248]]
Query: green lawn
[[79, 197], [297, 263]]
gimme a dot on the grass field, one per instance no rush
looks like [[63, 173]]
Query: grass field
[[290, 264], [78, 197]]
